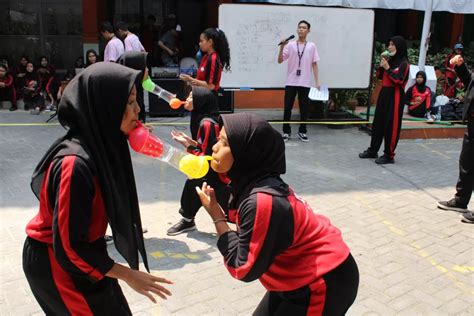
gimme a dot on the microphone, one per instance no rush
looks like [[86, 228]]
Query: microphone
[[291, 37]]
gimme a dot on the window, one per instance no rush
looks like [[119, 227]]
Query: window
[[35, 28]]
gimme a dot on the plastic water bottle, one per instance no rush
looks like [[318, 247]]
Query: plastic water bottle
[[150, 86], [142, 141]]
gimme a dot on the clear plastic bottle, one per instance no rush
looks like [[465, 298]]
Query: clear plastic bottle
[[150, 86], [142, 141]]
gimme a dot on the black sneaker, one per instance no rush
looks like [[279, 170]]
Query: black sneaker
[[382, 160], [303, 137], [181, 227], [451, 205], [13, 108], [286, 137], [109, 239], [467, 217], [368, 154]]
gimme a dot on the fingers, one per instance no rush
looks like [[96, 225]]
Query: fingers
[[147, 294]]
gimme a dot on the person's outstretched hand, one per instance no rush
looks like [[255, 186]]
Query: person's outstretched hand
[[146, 284], [183, 139], [207, 195]]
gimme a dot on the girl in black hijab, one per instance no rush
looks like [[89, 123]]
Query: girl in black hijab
[[389, 111], [418, 98], [84, 181], [298, 256], [137, 61], [204, 130]]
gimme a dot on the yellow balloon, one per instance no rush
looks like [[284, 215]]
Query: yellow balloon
[[195, 167]]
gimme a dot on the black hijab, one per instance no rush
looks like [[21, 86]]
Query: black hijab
[[402, 53], [204, 105], [134, 60], [421, 87], [92, 108], [258, 151]]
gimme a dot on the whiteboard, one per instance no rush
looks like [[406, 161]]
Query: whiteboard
[[344, 38]]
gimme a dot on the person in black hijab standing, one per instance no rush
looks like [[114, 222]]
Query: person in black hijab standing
[[298, 255], [205, 132], [84, 181], [137, 61], [389, 111]]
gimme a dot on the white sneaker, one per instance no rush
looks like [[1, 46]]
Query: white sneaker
[[303, 137], [286, 137]]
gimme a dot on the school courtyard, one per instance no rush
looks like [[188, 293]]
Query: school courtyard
[[414, 259]]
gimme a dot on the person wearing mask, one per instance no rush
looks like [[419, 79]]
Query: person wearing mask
[[389, 111], [299, 257], [465, 183], [202, 104], [131, 41], [215, 47], [84, 181], [303, 61], [114, 48]]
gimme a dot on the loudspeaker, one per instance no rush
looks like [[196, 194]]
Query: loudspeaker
[[159, 107], [225, 100]]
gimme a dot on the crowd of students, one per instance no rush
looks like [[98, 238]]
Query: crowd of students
[[37, 84]]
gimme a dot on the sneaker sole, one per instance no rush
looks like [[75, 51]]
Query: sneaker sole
[[465, 220], [304, 140], [182, 231], [454, 209]]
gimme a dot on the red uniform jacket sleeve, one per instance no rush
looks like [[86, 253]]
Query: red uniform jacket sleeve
[[72, 191], [265, 231]]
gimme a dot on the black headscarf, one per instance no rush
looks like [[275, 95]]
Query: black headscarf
[[204, 105], [258, 151], [421, 87], [134, 60], [92, 108], [87, 63], [402, 53]]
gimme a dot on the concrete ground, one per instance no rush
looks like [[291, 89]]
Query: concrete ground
[[414, 259]]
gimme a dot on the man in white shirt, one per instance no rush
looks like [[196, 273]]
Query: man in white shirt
[[132, 42], [114, 48]]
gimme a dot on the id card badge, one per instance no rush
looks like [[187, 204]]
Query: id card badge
[[298, 72]]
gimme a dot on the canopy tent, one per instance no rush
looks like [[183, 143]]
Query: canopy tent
[[453, 6]]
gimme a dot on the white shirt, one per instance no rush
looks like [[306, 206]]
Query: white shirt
[[132, 43], [113, 50]]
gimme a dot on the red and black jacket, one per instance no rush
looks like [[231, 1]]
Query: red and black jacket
[[280, 240], [416, 99], [72, 218], [207, 136], [210, 70]]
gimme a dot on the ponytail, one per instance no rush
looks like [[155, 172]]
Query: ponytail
[[221, 45]]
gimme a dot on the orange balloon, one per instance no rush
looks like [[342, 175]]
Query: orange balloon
[[175, 103]]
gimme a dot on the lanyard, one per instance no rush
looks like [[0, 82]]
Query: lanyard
[[300, 55]]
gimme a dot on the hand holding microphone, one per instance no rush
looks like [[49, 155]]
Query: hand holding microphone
[[285, 41]]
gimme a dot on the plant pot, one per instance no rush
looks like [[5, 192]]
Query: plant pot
[[352, 104]]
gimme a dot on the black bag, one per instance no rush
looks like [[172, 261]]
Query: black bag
[[452, 111]]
